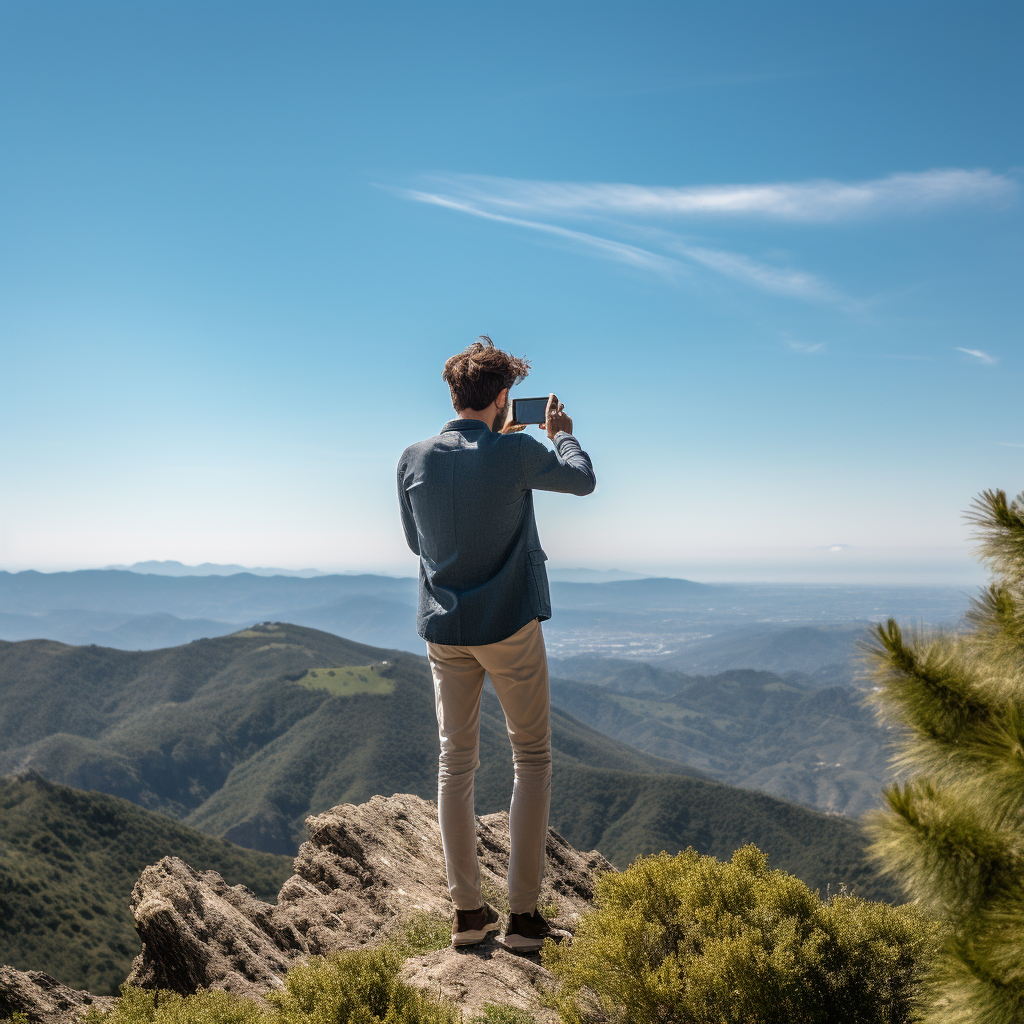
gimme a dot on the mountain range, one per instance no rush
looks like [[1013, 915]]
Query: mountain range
[[241, 737], [169, 567], [688, 626], [789, 736]]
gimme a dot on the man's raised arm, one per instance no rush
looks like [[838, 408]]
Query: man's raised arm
[[568, 468]]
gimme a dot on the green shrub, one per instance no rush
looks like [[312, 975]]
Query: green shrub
[[208, 1006], [689, 938], [359, 987]]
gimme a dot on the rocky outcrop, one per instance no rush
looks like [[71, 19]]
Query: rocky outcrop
[[43, 999], [364, 874]]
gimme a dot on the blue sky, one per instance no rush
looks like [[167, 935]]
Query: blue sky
[[769, 255]]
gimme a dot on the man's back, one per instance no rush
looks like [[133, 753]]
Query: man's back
[[467, 508]]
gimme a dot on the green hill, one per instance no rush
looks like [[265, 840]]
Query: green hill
[[819, 746], [228, 735], [68, 861]]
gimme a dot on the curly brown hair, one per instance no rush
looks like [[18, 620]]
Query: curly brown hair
[[478, 374]]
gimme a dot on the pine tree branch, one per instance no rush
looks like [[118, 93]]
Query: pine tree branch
[[997, 618], [928, 686], [999, 527], [945, 854], [961, 724]]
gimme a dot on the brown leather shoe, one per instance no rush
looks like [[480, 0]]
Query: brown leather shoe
[[472, 926], [526, 933]]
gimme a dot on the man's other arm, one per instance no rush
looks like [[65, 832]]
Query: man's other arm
[[567, 469], [408, 521]]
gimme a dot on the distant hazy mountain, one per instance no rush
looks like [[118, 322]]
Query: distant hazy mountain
[[111, 629], [237, 738], [810, 649], [696, 627], [592, 575], [68, 861], [172, 568], [632, 595]]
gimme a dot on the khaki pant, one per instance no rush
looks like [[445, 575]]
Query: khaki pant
[[518, 667]]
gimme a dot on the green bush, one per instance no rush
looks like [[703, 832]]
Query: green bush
[[208, 1006], [689, 938], [359, 987]]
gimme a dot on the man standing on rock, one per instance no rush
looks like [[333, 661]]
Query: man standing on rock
[[467, 508]]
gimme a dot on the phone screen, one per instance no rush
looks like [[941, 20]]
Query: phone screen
[[529, 410]]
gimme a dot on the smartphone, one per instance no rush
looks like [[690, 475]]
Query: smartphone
[[529, 410]]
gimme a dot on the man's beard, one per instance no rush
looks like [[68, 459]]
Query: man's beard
[[499, 417]]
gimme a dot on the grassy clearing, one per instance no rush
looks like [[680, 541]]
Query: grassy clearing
[[259, 631], [346, 680]]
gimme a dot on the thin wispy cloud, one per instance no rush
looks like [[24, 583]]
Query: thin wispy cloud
[[619, 251], [780, 280], [804, 348], [805, 202], [976, 353], [647, 213]]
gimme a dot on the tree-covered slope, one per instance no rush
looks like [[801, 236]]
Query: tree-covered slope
[[220, 732], [223, 734], [820, 746], [68, 861], [625, 814]]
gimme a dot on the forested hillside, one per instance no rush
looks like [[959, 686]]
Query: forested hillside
[[238, 738], [68, 861], [817, 745]]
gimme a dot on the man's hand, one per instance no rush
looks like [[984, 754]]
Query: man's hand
[[510, 426], [555, 418]]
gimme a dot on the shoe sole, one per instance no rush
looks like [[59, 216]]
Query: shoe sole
[[521, 944], [474, 938]]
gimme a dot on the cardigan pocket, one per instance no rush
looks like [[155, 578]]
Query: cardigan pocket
[[537, 576]]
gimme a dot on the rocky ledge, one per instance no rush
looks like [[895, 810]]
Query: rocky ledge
[[365, 873]]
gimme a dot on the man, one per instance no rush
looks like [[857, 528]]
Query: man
[[467, 508]]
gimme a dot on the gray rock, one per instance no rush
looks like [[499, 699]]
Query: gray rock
[[43, 999], [483, 974], [365, 872]]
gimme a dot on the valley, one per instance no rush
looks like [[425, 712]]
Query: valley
[[219, 735]]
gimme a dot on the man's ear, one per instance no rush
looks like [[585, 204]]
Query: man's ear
[[503, 396]]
